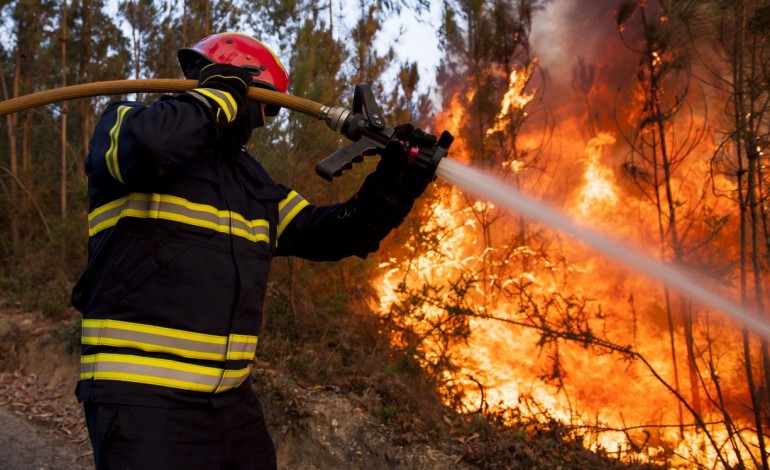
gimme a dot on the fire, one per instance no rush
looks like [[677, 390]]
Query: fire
[[515, 99], [567, 335], [598, 192]]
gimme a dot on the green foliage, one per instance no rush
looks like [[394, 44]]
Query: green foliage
[[387, 413], [480, 425], [40, 272]]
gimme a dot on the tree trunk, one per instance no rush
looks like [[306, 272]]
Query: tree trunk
[[83, 74], [13, 121], [207, 29], [744, 201], [668, 214], [64, 110]]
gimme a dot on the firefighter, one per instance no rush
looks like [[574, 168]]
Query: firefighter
[[183, 224]]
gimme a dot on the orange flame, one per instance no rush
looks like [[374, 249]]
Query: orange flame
[[598, 192], [623, 400], [515, 99]]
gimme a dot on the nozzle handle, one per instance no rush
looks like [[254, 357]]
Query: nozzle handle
[[366, 127], [344, 158], [364, 103]]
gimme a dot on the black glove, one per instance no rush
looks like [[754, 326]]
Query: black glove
[[233, 132], [396, 176], [235, 81]]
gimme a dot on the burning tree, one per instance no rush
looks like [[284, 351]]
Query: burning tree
[[658, 150], [738, 64], [505, 314]]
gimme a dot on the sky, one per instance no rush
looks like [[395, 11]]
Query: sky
[[412, 39]]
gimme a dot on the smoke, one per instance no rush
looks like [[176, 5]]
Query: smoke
[[568, 32]]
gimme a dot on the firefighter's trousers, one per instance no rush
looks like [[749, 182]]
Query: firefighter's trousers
[[146, 438]]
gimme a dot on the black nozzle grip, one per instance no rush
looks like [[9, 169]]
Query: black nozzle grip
[[344, 158]]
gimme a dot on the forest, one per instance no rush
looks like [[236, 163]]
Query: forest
[[648, 121]]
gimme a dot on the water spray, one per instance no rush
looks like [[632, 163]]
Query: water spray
[[365, 126], [492, 189]]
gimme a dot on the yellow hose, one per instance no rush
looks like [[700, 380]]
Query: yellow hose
[[157, 85]]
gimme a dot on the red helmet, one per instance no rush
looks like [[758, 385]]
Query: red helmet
[[237, 49]]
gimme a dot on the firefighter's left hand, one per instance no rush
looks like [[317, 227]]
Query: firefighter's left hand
[[395, 174]]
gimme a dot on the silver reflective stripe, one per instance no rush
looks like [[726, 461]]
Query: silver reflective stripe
[[182, 343], [160, 372], [288, 208], [177, 209], [153, 339]]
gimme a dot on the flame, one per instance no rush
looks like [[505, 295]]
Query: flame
[[598, 192], [515, 99], [485, 299]]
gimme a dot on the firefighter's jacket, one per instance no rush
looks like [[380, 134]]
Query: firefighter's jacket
[[181, 236]]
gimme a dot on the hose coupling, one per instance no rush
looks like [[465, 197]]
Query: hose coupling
[[334, 116]]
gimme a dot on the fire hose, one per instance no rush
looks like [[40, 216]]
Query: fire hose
[[364, 124]]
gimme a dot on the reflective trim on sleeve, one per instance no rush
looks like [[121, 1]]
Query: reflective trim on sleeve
[[177, 209], [160, 372], [182, 343], [111, 157], [223, 99], [288, 208]]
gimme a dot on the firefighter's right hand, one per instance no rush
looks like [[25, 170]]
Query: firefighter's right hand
[[396, 175], [224, 87]]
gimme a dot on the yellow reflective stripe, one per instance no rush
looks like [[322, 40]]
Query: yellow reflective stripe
[[223, 99], [187, 344], [177, 209], [161, 372], [111, 157], [232, 378], [153, 339], [288, 208], [241, 347]]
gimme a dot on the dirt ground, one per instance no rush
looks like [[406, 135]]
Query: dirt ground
[[41, 425], [31, 445]]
